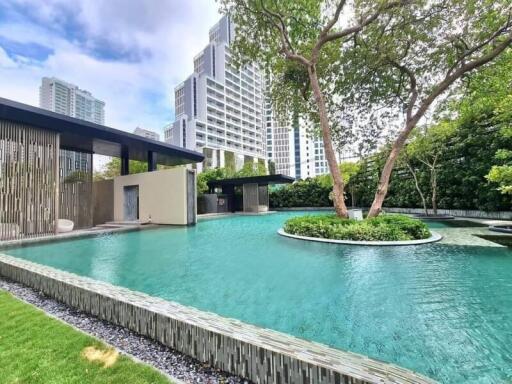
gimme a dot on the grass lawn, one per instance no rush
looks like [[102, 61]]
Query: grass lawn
[[35, 348]]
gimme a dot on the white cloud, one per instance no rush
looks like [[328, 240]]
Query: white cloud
[[130, 54], [5, 60]]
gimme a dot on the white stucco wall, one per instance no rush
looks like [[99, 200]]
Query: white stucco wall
[[162, 196]]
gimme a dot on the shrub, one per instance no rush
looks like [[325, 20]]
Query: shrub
[[381, 228], [302, 193], [415, 228]]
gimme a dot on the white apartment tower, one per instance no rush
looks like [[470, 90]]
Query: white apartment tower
[[65, 98], [294, 150], [219, 109], [148, 134]]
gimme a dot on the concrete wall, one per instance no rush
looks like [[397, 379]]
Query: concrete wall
[[501, 215], [162, 196], [497, 215], [103, 201]]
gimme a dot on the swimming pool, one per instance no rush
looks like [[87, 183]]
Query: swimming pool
[[442, 310]]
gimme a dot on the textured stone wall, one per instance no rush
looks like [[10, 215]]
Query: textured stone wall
[[260, 355], [103, 201]]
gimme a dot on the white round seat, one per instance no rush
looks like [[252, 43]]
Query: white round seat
[[64, 225]]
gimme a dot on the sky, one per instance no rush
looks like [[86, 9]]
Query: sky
[[129, 53]]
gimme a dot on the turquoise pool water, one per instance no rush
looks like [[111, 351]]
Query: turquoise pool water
[[442, 310]]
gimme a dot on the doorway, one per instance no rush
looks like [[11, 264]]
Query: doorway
[[191, 197], [131, 203]]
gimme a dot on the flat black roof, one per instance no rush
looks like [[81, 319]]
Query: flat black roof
[[81, 135], [262, 180]]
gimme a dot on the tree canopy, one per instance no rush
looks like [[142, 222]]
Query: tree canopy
[[378, 65]]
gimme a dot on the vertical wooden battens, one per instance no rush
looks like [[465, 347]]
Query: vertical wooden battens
[[75, 188], [28, 174]]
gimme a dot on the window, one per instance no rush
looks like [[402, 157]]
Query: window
[[184, 127], [195, 97], [213, 60]]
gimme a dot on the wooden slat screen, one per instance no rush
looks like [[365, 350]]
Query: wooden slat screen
[[76, 188], [28, 181]]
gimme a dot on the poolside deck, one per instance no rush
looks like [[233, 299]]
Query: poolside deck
[[471, 236]]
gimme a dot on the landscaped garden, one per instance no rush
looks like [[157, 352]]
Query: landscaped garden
[[381, 228]]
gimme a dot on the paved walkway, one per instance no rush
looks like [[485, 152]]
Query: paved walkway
[[470, 235]]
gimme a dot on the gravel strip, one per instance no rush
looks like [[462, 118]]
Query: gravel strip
[[171, 362]]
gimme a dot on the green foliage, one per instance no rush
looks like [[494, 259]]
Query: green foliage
[[501, 174], [431, 142], [461, 177], [302, 193], [498, 104], [229, 161], [249, 169], [371, 63], [77, 177], [210, 174], [382, 228], [473, 146], [39, 349], [347, 169], [113, 169]]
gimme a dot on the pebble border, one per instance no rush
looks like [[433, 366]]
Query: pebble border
[[259, 355], [180, 368], [432, 239]]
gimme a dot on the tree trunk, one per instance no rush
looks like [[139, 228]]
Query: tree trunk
[[423, 200], [382, 188], [337, 180], [433, 179]]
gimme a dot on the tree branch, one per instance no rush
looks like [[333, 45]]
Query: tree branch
[[451, 78], [286, 46], [326, 37], [469, 51], [334, 19], [413, 89]]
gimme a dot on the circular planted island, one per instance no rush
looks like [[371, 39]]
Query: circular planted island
[[382, 230]]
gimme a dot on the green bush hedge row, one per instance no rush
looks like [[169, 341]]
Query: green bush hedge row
[[302, 193], [381, 228]]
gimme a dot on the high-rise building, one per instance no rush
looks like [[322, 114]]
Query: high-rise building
[[294, 150], [65, 98], [147, 133], [219, 108], [279, 142]]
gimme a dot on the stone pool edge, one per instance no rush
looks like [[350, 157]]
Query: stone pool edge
[[432, 239], [260, 355]]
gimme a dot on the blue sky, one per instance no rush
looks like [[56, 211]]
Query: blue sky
[[129, 53]]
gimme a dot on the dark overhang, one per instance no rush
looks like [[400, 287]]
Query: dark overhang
[[260, 180], [80, 135]]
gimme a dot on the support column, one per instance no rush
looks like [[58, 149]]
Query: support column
[[151, 161], [57, 182], [125, 161]]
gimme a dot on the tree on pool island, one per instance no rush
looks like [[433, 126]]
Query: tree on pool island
[[399, 57], [301, 39]]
